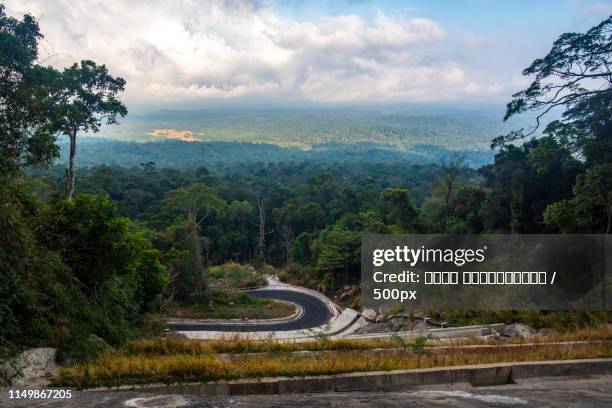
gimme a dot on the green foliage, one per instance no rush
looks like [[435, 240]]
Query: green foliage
[[72, 269], [27, 135], [37, 102], [102, 248], [523, 181], [213, 304], [30, 274], [240, 211], [337, 254], [85, 349], [303, 275], [233, 275], [195, 202], [399, 209], [575, 75], [590, 208], [417, 346], [87, 98]]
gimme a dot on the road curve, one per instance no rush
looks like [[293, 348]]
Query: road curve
[[316, 313]]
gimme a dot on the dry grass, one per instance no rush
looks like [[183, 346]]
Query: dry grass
[[173, 346], [236, 344], [112, 370], [169, 360]]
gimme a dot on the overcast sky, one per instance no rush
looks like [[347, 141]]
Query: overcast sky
[[192, 53]]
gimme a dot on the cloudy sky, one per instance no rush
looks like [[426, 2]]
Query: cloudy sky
[[195, 53]]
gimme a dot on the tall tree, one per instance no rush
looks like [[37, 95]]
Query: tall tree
[[287, 236], [195, 203], [27, 134], [239, 211], [261, 226], [399, 209], [87, 100], [523, 181], [576, 76], [339, 252], [590, 208]]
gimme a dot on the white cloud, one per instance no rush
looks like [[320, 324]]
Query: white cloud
[[191, 51], [475, 41], [601, 8]]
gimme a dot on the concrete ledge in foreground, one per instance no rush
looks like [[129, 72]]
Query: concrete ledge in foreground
[[477, 375]]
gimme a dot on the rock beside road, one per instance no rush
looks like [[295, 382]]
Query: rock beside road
[[518, 330], [32, 367]]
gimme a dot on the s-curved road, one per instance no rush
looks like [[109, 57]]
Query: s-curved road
[[316, 313]]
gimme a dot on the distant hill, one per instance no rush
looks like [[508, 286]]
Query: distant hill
[[223, 137], [180, 154], [400, 129]]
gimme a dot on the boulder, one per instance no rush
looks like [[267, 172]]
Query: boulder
[[31, 365], [369, 314], [518, 330], [9, 371]]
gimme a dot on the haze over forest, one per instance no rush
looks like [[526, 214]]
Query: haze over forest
[[419, 134], [308, 76]]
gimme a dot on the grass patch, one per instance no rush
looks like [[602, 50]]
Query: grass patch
[[233, 275], [235, 344], [113, 370], [558, 320], [223, 305]]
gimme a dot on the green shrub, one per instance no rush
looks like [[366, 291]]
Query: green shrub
[[86, 349], [233, 275]]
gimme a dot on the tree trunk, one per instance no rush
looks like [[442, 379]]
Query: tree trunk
[[262, 226], [604, 282], [195, 245], [70, 170]]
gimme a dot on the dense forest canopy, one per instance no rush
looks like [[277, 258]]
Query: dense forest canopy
[[94, 151], [399, 127], [81, 272]]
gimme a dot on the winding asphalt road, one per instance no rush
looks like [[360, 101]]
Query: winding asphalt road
[[316, 313]]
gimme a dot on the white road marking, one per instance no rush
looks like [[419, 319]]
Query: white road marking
[[490, 398], [157, 402]]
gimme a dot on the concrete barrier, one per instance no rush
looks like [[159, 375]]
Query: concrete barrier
[[441, 333], [477, 375]]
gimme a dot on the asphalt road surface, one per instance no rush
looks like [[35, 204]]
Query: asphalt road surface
[[316, 313], [533, 392]]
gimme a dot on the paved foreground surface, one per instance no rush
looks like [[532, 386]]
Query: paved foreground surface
[[316, 313], [542, 392]]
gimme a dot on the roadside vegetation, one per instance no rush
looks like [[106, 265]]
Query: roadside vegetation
[[557, 320], [171, 361], [234, 344], [226, 305], [233, 275], [219, 302]]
